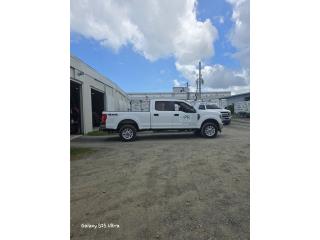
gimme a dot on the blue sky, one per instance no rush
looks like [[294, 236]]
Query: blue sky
[[213, 10], [131, 71], [144, 68]]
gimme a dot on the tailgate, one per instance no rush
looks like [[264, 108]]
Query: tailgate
[[112, 120], [109, 120]]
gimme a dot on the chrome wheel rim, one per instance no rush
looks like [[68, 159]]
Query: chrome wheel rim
[[127, 133], [210, 130]]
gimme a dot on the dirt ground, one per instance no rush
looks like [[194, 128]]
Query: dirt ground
[[163, 186]]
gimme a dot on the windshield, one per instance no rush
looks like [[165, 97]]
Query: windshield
[[212, 106]]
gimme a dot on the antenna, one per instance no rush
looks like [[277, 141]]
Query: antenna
[[199, 82]]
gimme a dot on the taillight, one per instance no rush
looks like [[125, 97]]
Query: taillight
[[103, 118]]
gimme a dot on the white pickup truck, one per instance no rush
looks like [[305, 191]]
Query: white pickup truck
[[164, 114], [203, 106]]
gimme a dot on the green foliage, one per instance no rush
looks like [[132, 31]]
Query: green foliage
[[77, 153], [97, 133], [231, 108]]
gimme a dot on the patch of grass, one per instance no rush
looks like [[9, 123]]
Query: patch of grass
[[97, 133], [77, 153]]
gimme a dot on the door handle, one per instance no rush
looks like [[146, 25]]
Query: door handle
[[156, 114], [176, 114]]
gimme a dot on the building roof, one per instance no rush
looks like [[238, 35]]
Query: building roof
[[237, 95], [93, 73]]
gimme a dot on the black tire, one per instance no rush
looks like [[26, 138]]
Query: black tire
[[209, 130], [127, 133]]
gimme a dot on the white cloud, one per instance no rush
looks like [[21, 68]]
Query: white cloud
[[240, 34], [216, 77], [155, 29], [165, 28], [176, 83]]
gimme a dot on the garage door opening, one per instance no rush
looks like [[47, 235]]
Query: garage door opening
[[97, 104], [75, 108]]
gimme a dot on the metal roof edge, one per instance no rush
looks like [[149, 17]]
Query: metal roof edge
[[107, 81]]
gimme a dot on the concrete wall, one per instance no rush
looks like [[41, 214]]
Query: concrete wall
[[115, 98]]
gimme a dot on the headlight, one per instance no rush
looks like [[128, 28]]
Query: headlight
[[220, 116]]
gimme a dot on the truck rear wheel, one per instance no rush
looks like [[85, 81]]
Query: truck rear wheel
[[127, 133], [209, 130]]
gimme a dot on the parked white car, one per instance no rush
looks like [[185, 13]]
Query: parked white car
[[164, 114], [203, 106]]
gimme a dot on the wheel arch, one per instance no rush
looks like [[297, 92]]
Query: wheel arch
[[211, 120], [128, 121]]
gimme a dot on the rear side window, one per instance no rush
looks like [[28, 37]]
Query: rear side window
[[164, 106], [212, 106], [202, 107]]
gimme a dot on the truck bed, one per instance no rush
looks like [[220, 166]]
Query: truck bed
[[113, 119]]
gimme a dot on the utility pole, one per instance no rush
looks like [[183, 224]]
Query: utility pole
[[199, 82], [188, 94]]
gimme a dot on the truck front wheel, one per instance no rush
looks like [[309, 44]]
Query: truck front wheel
[[209, 130], [127, 133]]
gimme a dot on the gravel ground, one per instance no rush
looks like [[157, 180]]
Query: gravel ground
[[163, 186]]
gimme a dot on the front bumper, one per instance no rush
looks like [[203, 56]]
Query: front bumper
[[226, 121]]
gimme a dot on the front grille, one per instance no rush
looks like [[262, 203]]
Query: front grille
[[225, 114]]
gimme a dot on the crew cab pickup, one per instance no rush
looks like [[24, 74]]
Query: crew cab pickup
[[226, 114], [164, 114]]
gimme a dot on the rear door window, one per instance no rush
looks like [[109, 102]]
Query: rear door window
[[164, 106]]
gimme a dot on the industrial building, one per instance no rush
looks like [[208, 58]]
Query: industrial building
[[237, 98], [240, 102], [140, 101], [90, 94]]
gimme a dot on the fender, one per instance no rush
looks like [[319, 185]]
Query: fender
[[209, 118], [128, 119]]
